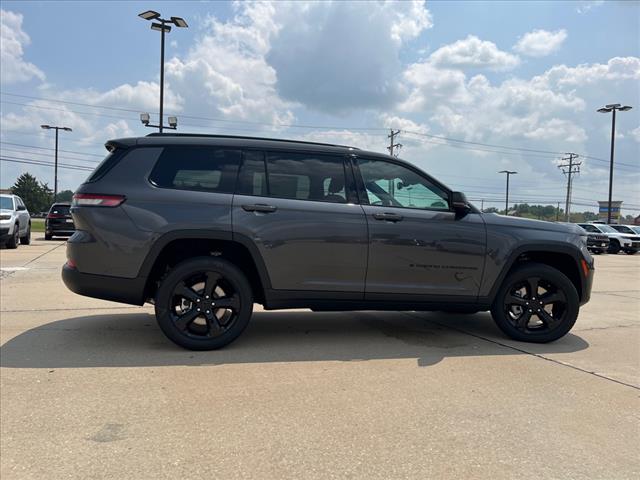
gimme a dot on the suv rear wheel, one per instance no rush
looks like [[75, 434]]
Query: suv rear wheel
[[204, 303], [614, 246], [536, 303]]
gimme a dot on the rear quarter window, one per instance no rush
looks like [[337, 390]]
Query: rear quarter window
[[205, 169], [112, 158]]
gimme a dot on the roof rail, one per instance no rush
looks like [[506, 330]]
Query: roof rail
[[243, 137]]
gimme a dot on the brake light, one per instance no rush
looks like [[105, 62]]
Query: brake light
[[55, 215], [97, 200], [71, 264]]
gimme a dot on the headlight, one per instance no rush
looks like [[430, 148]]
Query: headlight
[[5, 217]]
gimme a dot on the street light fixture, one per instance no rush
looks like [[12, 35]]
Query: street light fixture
[[506, 203], [55, 168], [606, 109], [163, 28]]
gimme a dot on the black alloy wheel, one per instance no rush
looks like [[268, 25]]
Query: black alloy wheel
[[204, 303], [536, 303]]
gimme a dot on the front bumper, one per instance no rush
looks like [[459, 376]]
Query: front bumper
[[116, 289]]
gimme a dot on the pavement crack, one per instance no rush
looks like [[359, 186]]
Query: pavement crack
[[557, 362], [43, 254]]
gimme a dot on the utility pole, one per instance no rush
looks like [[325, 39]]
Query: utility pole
[[558, 212], [506, 201], [55, 167], [482, 204], [569, 169], [394, 149]]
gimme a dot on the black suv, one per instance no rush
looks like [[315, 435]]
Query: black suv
[[58, 221], [203, 226]]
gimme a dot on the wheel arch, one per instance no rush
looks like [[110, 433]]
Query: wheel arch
[[564, 258], [174, 247]]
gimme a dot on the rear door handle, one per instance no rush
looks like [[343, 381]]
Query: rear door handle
[[259, 207], [388, 217]]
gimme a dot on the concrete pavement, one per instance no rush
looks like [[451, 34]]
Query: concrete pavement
[[92, 389]]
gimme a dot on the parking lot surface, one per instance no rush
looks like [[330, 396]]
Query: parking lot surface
[[92, 389]]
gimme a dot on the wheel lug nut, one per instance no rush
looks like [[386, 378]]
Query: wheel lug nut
[[208, 311], [198, 309], [207, 297]]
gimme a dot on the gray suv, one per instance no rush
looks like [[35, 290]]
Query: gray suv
[[203, 226]]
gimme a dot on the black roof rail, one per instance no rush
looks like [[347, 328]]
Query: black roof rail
[[243, 137]]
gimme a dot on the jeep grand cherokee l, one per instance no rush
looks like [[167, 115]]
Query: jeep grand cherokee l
[[203, 226]]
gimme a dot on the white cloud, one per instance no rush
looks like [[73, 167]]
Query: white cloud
[[585, 6], [225, 72], [540, 43], [472, 52], [615, 70], [13, 68], [342, 56], [635, 134]]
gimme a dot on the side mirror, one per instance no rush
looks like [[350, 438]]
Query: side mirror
[[21, 207], [459, 203]]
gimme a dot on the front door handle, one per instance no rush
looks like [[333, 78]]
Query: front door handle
[[259, 207], [388, 217]]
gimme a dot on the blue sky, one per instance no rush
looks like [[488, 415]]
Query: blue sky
[[526, 75]]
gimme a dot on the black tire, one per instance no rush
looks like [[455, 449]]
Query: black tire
[[517, 295], [630, 251], [48, 236], [202, 280], [26, 240], [614, 247], [15, 239]]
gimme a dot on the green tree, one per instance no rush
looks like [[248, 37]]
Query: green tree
[[64, 196], [36, 195]]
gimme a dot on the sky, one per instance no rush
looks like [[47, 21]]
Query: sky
[[474, 87]]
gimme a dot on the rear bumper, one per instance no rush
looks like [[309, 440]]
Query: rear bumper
[[115, 289]]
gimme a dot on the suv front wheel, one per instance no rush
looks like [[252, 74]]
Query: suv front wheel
[[536, 303], [204, 303]]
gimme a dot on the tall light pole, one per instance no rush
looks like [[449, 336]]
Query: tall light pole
[[506, 203], [606, 109], [163, 28], [55, 168]]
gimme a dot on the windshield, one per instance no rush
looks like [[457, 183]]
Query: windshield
[[607, 228], [6, 203], [636, 229]]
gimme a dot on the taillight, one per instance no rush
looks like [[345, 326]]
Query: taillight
[[97, 200], [55, 215]]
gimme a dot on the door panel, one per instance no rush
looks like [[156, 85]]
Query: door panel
[[306, 245], [426, 252], [417, 245]]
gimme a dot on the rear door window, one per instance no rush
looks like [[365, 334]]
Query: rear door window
[[204, 169], [306, 176]]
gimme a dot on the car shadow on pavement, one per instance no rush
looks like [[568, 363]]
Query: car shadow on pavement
[[134, 340]]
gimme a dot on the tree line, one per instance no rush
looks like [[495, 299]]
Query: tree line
[[37, 196]]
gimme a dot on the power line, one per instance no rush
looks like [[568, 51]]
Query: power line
[[13, 160], [48, 148], [4, 157]]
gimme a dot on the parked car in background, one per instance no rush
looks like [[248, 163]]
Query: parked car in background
[[204, 226], [628, 229], [629, 244], [15, 221], [59, 222], [597, 242]]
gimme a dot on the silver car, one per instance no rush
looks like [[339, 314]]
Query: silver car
[[15, 221]]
